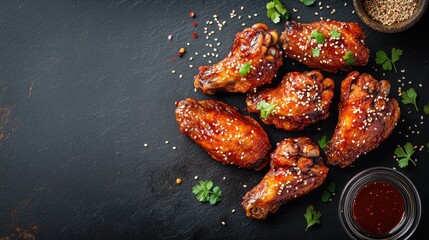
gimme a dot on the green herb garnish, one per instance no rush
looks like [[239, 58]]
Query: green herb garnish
[[404, 155], [265, 108], [349, 57], [320, 38], [245, 69], [323, 142], [335, 33], [426, 109], [311, 216], [330, 190], [275, 9], [316, 52], [386, 62], [205, 191], [307, 2], [410, 97]]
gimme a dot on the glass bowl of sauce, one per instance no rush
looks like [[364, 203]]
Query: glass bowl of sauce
[[379, 203]]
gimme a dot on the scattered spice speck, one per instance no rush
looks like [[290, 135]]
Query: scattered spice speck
[[192, 14]]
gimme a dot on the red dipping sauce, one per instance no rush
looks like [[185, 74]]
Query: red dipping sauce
[[378, 207]]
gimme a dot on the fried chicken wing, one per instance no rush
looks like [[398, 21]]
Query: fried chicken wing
[[300, 100], [228, 136], [256, 46], [296, 169], [329, 46], [366, 118]]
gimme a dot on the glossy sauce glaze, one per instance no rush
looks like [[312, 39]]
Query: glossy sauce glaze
[[378, 207]]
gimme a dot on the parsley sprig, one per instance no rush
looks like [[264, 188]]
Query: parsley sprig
[[410, 97], [404, 154], [386, 62], [205, 191], [312, 216], [245, 69], [265, 108], [275, 9]]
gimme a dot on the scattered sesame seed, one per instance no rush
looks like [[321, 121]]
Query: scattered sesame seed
[[145, 144], [243, 24], [245, 186], [241, 8], [196, 177], [180, 76], [233, 210], [224, 178], [191, 66], [170, 37], [174, 147], [172, 71], [166, 142], [223, 223]]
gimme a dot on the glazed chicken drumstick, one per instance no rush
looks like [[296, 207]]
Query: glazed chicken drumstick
[[296, 169], [328, 46], [367, 116], [301, 99], [253, 61], [224, 133]]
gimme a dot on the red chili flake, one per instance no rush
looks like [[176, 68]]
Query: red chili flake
[[194, 24], [176, 103], [194, 35], [191, 14], [173, 59], [179, 54]]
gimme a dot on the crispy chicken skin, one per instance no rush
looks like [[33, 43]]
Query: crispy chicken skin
[[296, 169], [228, 136], [300, 100], [298, 44], [256, 45], [367, 116]]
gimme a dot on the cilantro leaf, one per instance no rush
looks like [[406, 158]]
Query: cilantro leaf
[[275, 9], [308, 2], [331, 187], [320, 38], [349, 57], [215, 197], [265, 108], [323, 142], [325, 196], [396, 53], [245, 69], [410, 97], [205, 191], [404, 154], [316, 52], [426, 109], [311, 216], [335, 33], [388, 63]]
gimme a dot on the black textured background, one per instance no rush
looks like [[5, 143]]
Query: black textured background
[[85, 84]]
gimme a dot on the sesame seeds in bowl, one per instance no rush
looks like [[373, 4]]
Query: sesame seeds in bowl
[[390, 16]]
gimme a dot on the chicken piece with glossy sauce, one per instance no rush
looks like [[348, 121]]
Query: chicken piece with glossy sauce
[[367, 116], [255, 46], [326, 45], [227, 135], [296, 169], [301, 99]]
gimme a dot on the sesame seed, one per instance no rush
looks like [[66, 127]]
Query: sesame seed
[[166, 142], [172, 71], [174, 147], [196, 177], [223, 223], [145, 145], [233, 210], [245, 186]]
